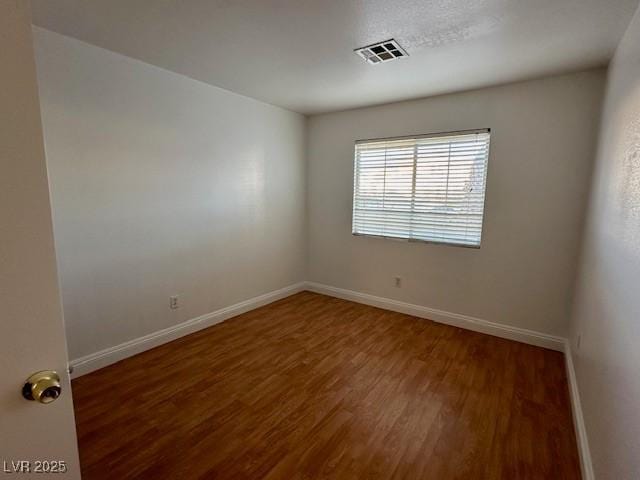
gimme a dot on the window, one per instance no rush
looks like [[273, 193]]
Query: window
[[428, 188]]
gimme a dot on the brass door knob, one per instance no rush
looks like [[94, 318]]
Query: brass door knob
[[43, 387]]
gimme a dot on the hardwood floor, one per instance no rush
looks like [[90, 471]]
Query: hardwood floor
[[316, 387]]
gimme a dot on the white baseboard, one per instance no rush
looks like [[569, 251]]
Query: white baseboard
[[455, 319], [578, 419], [95, 361], [108, 356]]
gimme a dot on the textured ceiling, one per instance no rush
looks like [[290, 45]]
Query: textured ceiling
[[298, 54]]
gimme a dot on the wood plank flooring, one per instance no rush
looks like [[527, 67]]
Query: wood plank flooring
[[316, 387]]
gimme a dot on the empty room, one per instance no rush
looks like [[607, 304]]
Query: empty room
[[279, 239]]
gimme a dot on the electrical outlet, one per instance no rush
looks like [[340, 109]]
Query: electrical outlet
[[174, 302], [398, 282]]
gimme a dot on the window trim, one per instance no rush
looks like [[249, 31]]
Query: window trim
[[417, 137], [425, 135]]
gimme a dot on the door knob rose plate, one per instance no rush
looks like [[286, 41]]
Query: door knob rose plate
[[43, 387]]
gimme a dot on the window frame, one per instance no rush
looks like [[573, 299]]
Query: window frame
[[418, 137]]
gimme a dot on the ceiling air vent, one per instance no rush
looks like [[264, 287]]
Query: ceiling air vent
[[382, 52]]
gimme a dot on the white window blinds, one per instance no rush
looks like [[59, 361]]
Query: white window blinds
[[428, 188]]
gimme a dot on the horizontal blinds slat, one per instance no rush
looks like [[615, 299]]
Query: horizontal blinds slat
[[429, 188]]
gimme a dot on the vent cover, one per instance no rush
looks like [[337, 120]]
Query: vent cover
[[382, 52]]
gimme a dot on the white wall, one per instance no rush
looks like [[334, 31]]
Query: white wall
[[163, 185], [607, 307], [542, 147]]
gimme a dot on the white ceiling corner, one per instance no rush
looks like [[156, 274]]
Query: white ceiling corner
[[298, 54]]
